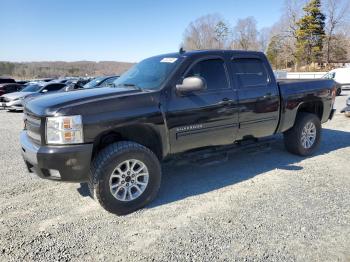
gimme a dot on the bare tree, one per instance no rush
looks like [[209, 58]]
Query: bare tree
[[264, 38], [207, 32], [246, 34], [283, 32], [337, 14]]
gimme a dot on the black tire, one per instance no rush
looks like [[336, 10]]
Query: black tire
[[293, 137], [102, 168], [338, 92]]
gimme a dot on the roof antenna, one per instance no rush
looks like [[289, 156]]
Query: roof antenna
[[182, 50]]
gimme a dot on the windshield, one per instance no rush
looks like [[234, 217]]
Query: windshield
[[95, 82], [149, 73], [31, 88], [329, 75]]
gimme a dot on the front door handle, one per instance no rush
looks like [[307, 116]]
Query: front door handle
[[227, 100], [267, 95]]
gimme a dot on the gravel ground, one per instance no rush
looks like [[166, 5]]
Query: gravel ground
[[270, 206]]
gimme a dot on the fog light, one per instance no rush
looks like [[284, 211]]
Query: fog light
[[54, 173]]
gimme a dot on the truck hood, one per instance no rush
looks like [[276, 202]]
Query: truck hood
[[16, 95], [49, 104]]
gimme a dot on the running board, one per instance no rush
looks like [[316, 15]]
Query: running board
[[218, 154]]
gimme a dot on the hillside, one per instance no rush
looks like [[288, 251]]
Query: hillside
[[29, 70]]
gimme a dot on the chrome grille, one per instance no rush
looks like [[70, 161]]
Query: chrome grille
[[32, 125]]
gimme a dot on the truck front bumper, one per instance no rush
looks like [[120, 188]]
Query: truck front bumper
[[70, 163]]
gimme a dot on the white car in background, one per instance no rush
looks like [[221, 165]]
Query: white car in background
[[341, 76], [14, 101]]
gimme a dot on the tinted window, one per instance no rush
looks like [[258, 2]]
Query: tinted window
[[213, 71], [54, 87], [250, 72]]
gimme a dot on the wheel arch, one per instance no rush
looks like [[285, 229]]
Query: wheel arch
[[314, 107], [290, 115], [145, 135]]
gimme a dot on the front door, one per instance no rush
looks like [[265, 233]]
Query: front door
[[206, 118]]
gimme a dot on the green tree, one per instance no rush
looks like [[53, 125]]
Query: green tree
[[310, 33], [273, 52]]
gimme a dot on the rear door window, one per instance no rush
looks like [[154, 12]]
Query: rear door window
[[250, 72]]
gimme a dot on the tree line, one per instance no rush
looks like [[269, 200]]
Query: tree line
[[310, 35]]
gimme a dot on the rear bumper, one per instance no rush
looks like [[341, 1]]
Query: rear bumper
[[69, 163]]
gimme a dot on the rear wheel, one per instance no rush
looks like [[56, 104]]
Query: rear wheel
[[338, 92], [305, 136], [125, 177]]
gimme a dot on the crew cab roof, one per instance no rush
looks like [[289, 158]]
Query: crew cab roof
[[216, 52]]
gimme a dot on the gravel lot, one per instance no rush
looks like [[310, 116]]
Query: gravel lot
[[270, 206]]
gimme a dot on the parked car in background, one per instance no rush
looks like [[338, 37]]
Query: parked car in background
[[6, 80], [44, 80], [341, 76], [10, 88], [22, 82], [346, 110], [14, 101], [76, 84], [101, 81]]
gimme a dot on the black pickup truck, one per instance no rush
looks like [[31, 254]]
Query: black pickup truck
[[165, 107]]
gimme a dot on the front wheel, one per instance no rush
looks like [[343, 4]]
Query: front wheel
[[125, 177], [305, 136]]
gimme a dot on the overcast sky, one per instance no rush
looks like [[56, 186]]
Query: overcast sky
[[71, 30]]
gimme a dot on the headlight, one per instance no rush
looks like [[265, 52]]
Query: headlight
[[64, 130]]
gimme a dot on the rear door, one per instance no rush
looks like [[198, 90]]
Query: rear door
[[258, 96], [206, 118]]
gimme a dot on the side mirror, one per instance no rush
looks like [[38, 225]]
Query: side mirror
[[44, 91], [191, 84]]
